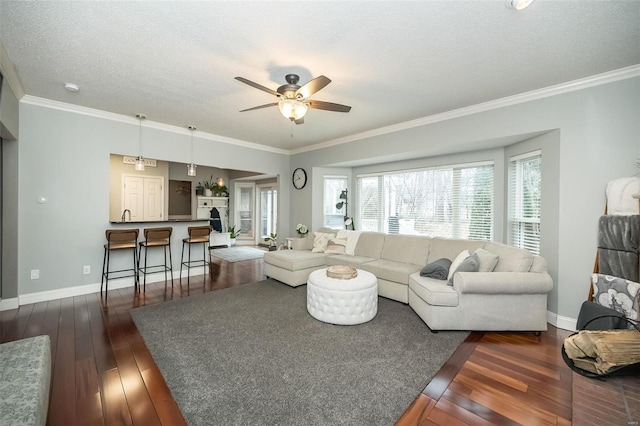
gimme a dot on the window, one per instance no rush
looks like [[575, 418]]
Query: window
[[525, 178], [333, 186], [453, 202]]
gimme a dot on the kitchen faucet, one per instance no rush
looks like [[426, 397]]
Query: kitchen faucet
[[124, 213]]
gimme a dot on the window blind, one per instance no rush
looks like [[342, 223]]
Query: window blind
[[453, 202], [525, 184]]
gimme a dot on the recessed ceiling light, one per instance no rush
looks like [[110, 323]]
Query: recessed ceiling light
[[519, 4], [72, 87]]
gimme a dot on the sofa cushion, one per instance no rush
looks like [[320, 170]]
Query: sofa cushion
[[348, 260], [391, 271], [487, 261], [539, 265], [438, 269], [450, 248], [406, 248], [470, 264], [370, 244], [510, 259], [294, 260], [434, 292]]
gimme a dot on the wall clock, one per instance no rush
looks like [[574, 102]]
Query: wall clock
[[299, 178]]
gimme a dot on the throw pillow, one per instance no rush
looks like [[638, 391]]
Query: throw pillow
[[470, 264], [335, 246], [486, 259], [616, 293], [352, 241], [438, 269], [320, 240], [457, 261]]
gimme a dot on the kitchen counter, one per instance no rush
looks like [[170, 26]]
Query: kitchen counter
[[158, 221]]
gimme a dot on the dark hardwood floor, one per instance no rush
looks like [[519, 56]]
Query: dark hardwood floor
[[103, 373]]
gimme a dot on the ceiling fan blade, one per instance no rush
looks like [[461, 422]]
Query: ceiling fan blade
[[260, 107], [313, 86], [257, 86], [328, 106], [299, 121]]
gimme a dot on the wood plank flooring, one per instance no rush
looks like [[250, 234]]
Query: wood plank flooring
[[103, 373]]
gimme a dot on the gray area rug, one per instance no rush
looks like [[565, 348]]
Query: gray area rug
[[237, 253], [252, 355]]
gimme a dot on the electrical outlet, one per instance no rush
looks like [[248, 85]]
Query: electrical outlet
[[87, 269], [35, 274]]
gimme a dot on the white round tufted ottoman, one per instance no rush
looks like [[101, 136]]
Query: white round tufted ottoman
[[343, 302]]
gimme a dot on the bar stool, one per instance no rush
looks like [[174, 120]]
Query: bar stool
[[197, 235], [156, 237], [119, 239]]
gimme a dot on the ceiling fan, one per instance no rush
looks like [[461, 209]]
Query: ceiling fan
[[293, 100]]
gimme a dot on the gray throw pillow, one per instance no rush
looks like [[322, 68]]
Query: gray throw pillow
[[470, 264], [438, 269]]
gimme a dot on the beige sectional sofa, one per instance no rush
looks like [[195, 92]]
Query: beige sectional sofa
[[511, 297]]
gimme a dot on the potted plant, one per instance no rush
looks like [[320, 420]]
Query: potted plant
[[220, 191], [272, 239], [233, 234], [199, 189], [208, 186]]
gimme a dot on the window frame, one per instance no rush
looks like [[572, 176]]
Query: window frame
[[524, 222]]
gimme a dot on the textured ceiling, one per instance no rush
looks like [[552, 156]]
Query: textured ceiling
[[391, 61]]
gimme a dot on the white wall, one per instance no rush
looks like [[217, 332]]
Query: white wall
[[594, 138], [64, 156]]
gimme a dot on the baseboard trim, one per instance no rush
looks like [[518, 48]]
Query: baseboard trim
[[562, 322], [8, 304], [45, 296]]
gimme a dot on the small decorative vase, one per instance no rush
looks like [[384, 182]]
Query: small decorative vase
[[208, 193], [232, 242]]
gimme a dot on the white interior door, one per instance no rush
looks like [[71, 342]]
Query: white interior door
[[153, 198], [133, 197], [144, 197]]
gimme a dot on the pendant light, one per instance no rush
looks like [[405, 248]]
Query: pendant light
[[191, 168], [140, 160]]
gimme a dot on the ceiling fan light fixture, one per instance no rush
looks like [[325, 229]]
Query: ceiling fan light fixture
[[292, 108]]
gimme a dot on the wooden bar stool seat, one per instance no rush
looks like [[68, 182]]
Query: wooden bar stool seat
[[197, 235], [156, 237], [119, 239]]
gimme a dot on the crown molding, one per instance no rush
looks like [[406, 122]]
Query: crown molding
[[92, 112], [558, 89], [9, 73]]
